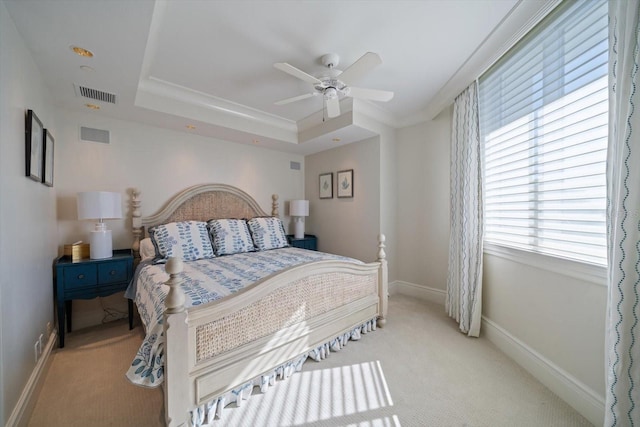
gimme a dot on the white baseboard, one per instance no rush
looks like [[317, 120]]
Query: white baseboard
[[582, 398], [417, 291], [23, 409]]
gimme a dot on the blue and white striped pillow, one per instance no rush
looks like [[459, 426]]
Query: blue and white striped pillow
[[187, 240], [230, 236], [268, 233]]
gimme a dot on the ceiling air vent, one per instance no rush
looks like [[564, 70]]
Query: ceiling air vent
[[98, 95]]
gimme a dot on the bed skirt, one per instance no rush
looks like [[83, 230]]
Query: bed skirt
[[206, 414]]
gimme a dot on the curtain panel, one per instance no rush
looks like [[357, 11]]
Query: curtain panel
[[464, 279], [622, 406]]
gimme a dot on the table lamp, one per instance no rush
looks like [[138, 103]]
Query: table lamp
[[299, 209], [100, 205]]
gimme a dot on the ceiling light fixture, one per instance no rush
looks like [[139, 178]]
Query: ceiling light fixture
[[82, 51], [92, 106], [336, 139], [190, 127], [255, 141]]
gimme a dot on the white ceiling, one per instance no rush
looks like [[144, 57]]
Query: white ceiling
[[210, 63]]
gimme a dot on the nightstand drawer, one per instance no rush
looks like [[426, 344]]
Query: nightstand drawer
[[112, 272], [78, 276], [309, 241]]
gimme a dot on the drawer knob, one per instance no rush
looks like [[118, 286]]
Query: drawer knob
[[113, 272], [80, 276]]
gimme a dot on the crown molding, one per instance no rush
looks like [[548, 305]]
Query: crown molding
[[157, 95], [521, 19]]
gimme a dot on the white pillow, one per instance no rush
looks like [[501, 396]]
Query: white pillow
[[230, 236], [267, 233], [147, 250], [188, 240]]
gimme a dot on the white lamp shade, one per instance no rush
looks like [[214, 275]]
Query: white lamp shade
[[99, 205], [299, 208]]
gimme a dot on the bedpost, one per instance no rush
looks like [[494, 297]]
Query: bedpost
[[174, 302], [383, 286], [176, 360], [274, 205], [136, 201]]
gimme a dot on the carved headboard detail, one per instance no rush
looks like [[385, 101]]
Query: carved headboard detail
[[198, 203]]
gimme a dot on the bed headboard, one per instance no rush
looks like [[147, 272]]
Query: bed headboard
[[198, 203]]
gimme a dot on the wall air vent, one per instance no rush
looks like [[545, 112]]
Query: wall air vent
[[96, 94], [94, 135]]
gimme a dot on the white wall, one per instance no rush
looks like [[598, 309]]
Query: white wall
[[560, 317], [423, 202], [28, 231], [159, 163], [346, 226]]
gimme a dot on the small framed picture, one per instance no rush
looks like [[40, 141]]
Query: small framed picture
[[47, 164], [34, 132], [345, 183], [326, 185]]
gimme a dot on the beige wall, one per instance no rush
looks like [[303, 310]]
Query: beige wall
[[388, 178], [159, 163], [28, 231], [423, 202], [346, 226]]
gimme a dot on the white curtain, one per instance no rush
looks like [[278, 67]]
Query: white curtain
[[464, 281], [622, 407]]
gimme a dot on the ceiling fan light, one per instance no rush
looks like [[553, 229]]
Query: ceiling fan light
[[331, 93]]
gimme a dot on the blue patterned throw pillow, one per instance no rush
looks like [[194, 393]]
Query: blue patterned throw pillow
[[267, 233], [187, 240], [230, 236]]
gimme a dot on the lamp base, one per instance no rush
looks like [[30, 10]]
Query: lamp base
[[299, 230], [100, 244]]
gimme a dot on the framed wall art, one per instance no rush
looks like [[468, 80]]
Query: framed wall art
[[34, 132], [344, 180], [47, 163], [326, 185]]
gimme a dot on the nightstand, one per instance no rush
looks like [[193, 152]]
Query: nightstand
[[308, 242], [90, 278]]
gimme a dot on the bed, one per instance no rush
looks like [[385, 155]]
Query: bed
[[215, 350]]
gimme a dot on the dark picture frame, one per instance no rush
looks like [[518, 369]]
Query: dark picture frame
[[344, 183], [326, 185], [34, 131], [48, 145]]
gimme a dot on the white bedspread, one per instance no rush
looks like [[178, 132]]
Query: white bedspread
[[203, 281]]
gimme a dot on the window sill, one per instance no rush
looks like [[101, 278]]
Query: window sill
[[588, 272]]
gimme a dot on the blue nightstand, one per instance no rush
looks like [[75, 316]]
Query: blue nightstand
[[90, 278], [308, 242]]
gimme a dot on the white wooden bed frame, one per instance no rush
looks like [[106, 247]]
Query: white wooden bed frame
[[193, 373]]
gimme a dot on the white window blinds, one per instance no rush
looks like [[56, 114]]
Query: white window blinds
[[543, 124]]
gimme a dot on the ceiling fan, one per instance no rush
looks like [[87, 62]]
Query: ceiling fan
[[333, 82]]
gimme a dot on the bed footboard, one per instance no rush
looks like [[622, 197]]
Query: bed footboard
[[213, 348]]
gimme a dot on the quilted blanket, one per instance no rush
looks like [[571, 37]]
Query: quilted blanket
[[204, 281]]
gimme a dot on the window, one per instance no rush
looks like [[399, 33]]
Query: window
[[543, 125]]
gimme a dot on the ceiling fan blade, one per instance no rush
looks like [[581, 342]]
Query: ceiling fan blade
[[295, 98], [362, 66], [372, 94], [333, 107], [290, 69]]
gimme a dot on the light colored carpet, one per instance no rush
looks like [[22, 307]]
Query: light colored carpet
[[417, 371]]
